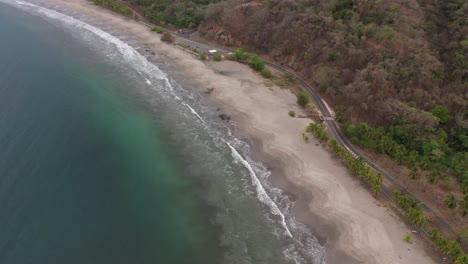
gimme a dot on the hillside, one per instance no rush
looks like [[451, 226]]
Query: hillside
[[399, 65]]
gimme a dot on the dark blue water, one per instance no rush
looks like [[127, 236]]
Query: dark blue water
[[85, 175]]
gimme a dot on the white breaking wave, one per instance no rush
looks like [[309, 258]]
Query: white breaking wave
[[193, 111], [261, 193]]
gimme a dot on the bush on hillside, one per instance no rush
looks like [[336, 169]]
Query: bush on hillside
[[158, 29], [257, 63], [302, 99], [217, 57]]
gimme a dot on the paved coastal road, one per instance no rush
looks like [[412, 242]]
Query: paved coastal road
[[328, 117]]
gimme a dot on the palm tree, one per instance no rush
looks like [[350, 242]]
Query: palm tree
[[378, 178], [463, 207], [464, 187], [424, 163], [451, 201], [433, 177], [417, 217], [453, 249], [341, 151], [462, 259], [414, 173], [434, 235]]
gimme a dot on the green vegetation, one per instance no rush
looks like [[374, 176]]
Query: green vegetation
[[292, 113], [202, 55], [419, 139], [447, 182], [408, 238], [291, 78], [463, 205], [158, 29], [451, 201], [183, 45], [357, 166], [113, 5], [305, 137], [257, 63], [239, 54], [332, 55], [266, 73], [217, 57], [413, 210], [449, 248], [302, 99], [175, 13], [167, 37], [280, 83]]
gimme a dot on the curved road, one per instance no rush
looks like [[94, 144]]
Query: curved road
[[321, 105]]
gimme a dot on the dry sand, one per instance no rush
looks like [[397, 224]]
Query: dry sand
[[341, 212]]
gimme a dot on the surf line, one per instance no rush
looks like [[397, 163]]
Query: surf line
[[261, 193]]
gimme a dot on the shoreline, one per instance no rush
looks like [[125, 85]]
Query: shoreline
[[341, 213]]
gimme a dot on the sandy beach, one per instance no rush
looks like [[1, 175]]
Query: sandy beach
[[342, 214]]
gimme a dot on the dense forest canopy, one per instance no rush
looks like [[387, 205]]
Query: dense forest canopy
[[400, 66]]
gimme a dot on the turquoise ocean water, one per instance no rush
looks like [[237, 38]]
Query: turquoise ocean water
[[104, 158]]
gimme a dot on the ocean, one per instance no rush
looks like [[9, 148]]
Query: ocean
[[106, 158]]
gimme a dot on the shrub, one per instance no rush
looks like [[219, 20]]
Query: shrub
[[292, 113], [310, 107], [184, 45], [158, 29], [217, 57], [332, 55], [257, 63], [408, 238], [167, 37], [290, 77], [266, 73], [305, 137], [302, 99], [447, 182], [202, 55], [239, 54], [280, 83]]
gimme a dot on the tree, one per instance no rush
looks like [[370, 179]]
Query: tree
[[202, 55], [376, 182], [464, 186], [462, 259], [433, 177], [239, 54], [217, 57], [442, 113], [257, 63], [453, 249], [451, 201], [414, 173], [416, 216], [302, 99], [463, 207], [434, 235]]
